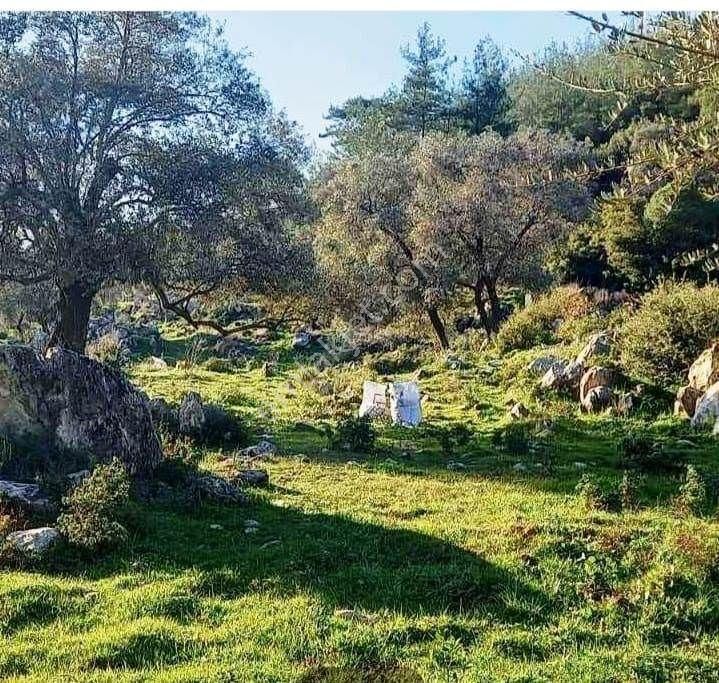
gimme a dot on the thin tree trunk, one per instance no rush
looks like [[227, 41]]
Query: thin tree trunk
[[74, 308], [481, 310], [494, 304], [438, 327]]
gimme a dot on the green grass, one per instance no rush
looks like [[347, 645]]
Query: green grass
[[389, 567]]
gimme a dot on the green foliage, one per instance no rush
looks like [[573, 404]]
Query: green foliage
[[538, 323], [673, 325], [90, 519], [514, 438], [629, 490], [693, 495], [354, 434]]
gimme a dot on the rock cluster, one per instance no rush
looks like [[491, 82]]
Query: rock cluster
[[593, 385], [699, 399]]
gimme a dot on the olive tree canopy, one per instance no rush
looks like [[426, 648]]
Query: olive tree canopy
[[136, 147]]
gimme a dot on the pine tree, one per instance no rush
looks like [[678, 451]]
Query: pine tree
[[425, 97]]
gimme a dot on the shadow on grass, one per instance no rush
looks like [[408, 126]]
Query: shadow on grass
[[350, 564]]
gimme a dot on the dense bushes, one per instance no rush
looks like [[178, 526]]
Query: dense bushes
[[671, 328], [92, 508], [537, 323]]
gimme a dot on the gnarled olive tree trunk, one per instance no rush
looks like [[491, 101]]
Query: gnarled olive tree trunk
[[74, 305]]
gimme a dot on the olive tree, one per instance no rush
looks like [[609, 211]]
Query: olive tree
[[487, 208], [364, 239], [136, 147]]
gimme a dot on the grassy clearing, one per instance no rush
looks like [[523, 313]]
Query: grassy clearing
[[390, 567]]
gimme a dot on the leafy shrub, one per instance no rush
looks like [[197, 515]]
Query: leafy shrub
[[594, 497], [535, 324], [514, 438], [629, 491], [693, 494], [673, 325], [355, 434], [641, 451], [403, 359], [452, 437], [90, 520]]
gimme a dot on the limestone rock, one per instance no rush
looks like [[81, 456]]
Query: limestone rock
[[156, 363], [191, 414], [33, 542], [595, 377], [565, 375], [78, 404], [259, 450], [301, 340], [219, 490], [597, 399], [686, 401], [705, 370], [28, 495], [539, 366], [252, 478], [518, 411], [706, 413], [599, 343]]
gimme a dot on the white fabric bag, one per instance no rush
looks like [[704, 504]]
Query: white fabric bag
[[404, 402], [374, 400]]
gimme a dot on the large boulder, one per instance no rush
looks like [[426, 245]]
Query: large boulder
[[705, 370], [191, 414], [27, 495], [595, 377], [706, 413], [597, 399], [74, 403], [563, 376], [686, 401], [33, 542]]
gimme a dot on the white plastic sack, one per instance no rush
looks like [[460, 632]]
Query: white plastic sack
[[374, 400], [404, 402]]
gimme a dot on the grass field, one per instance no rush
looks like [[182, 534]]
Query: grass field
[[390, 567]]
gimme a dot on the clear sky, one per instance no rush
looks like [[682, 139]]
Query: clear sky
[[309, 60]]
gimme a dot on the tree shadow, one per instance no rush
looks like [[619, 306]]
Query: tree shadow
[[350, 564]]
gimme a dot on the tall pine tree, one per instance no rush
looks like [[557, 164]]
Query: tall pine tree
[[425, 97]]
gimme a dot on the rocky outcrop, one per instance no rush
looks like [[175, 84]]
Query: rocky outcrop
[[77, 404], [705, 370], [539, 366]]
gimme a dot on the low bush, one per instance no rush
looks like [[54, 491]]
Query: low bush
[[673, 325], [693, 498], [222, 428], [538, 323], [354, 434], [514, 438], [641, 451], [92, 509]]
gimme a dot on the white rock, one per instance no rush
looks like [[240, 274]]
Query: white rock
[[539, 366], [705, 370], [33, 541], [598, 344], [156, 363], [519, 411], [301, 340], [706, 413]]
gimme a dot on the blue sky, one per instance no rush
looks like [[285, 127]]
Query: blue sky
[[309, 60]]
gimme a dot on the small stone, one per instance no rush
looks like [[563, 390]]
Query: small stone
[[518, 411], [78, 477], [251, 530], [251, 523], [520, 467], [259, 450], [191, 414], [155, 363], [216, 527], [539, 366], [301, 340], [253, 477], [580, 465], [453, 466]]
